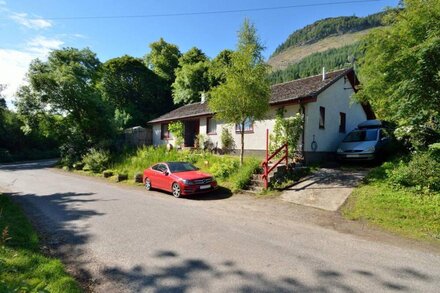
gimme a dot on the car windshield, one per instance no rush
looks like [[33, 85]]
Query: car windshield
[[361, 135], [181, 167]]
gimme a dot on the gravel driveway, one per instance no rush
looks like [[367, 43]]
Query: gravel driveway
[[125, 239]]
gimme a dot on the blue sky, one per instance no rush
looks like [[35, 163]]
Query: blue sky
[[31, 28]]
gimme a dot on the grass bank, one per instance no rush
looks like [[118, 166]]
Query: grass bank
[[226, 169], [23, 268], [406, 211]]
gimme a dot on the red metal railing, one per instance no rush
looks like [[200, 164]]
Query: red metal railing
[[265, 163]]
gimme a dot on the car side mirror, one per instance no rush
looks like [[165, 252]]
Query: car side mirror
[[166, 173]]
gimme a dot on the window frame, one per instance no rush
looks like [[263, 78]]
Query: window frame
[[342, 126], [321, 117], [250, 130], [164, 135], [209, 119]]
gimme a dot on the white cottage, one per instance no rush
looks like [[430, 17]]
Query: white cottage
[[325, 101]]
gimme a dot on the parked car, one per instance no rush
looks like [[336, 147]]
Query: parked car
[[179, 178], [368, 142]]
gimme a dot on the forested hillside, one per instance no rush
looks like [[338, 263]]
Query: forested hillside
[[332, 43], [331, 59], [330, 27]]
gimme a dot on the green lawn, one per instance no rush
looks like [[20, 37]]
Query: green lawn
[[404, 211], [23, 268]]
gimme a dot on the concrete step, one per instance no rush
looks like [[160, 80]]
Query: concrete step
[[257, 182]]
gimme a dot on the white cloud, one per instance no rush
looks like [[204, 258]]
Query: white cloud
[[15, 63], [2, 2], [30, 22]]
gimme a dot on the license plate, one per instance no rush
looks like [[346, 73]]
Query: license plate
[[205, 186], [352, 156]]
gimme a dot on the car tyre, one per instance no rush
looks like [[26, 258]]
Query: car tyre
[[176, 190], [147, 184]]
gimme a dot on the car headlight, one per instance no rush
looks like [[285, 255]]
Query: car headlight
[[370, 149], [340, 150], [187, 182]]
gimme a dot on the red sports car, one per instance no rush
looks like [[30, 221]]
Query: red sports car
[[180, 178]]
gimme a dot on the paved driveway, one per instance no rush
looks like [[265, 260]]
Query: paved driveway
[[125, 239], [326, 189]]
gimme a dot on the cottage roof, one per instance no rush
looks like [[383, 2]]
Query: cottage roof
[[287, 92], [186, 111]]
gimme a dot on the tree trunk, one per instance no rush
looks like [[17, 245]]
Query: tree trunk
[[242, 144]]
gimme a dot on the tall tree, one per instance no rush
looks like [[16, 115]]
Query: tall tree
[[192, 77], [245, 94], [65, 85], [163, 59], [400, 71], [131, 88], [218, 65]]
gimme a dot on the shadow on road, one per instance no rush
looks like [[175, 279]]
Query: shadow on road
[[31, 165], [182, 275], [53, 216]]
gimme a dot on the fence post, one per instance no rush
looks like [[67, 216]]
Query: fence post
[[266, 165]]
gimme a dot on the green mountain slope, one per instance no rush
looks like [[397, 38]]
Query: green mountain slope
[[330, 27], [332, 59], [332, 43]]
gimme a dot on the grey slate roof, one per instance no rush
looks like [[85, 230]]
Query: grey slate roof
[[281, 93]]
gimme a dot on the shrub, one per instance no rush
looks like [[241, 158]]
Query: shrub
[[176, 129], [5, 156], [421, 172], [243, 177], [96, 160], [227, 140], [224, 168]]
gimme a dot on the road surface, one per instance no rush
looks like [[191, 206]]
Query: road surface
[[124, 239]]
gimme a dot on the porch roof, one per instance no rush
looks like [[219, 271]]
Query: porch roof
[[295, 91]]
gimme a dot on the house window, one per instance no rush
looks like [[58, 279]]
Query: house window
[[164, 132], [248, 126], [321, 117], [211, 125], [342, 119]]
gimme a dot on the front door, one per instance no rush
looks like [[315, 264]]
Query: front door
[[191, 130]]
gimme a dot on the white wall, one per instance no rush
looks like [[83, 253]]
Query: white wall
[[336, 99], [252, 141]]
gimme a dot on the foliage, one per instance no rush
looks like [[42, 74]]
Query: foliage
[[15, 145], [96, 160], [332, 59], [227, 140], [200, 141], [131, 88], [242, 178], [422, 173], [400, 73], [217, 68], [227, 168], [65, 86], [176, 128], [23, 268], [402, 210], [286, 130], [192, 77], [245, 93], [329, 27], [163, 59]]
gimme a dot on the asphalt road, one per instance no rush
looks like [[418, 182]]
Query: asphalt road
[[125, 239]]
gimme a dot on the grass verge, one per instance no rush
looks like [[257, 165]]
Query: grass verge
[[404, 211], [23, 268]]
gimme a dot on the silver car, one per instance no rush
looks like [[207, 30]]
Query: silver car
[[368, 142]]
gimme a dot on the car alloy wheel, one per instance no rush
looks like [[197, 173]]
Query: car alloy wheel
[[176, 190], [147, 184]]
